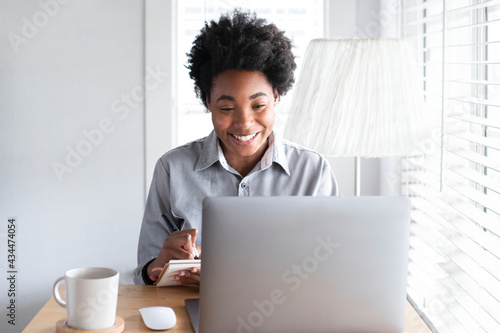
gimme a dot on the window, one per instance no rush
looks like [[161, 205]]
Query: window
[[301, 20], [454, 269]]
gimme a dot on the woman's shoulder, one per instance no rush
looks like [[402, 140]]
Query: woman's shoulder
[[186, 153], [293, 150]]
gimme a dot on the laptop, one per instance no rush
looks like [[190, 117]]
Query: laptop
[[303, 264]]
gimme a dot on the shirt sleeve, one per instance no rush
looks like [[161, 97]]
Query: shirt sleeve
[[153, 230]]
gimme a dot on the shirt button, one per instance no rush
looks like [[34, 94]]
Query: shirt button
[[243, 185]]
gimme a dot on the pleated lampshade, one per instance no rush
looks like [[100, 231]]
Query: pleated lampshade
[[357, 97]]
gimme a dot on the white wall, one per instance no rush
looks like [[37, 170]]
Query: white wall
[[68, 68], [160, 120]]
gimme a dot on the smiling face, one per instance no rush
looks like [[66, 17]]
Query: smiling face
[[242, 106]]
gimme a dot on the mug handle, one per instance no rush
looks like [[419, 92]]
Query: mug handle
[[57, 296]]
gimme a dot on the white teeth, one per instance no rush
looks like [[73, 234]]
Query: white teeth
[[244, 138]]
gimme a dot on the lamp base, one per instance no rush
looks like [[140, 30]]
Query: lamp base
[[357, 176]]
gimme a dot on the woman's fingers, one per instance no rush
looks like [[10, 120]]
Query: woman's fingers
[[191, 276], [179, 245]]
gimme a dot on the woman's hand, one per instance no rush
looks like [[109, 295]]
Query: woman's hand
[[179, 245], [191, 276]]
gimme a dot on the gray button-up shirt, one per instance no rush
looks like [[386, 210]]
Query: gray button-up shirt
[[184, 176]]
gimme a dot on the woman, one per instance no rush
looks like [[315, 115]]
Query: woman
[[241, 66]]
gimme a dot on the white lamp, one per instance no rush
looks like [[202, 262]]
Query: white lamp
[[357, 97]]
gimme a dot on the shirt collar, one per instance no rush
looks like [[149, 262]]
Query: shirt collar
[[212, 152], [209, 153], [278, 152]]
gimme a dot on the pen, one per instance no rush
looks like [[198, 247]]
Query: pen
[[174, 227], [171, 223]]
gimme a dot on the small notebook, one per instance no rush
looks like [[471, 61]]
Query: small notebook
[[166, 277]]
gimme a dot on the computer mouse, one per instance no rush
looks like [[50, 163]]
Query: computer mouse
[[158, 317]]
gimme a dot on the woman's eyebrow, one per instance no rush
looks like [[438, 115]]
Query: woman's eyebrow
[[231, 98], [254, 96], [225, 97]]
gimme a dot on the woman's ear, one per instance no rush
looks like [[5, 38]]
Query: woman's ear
[[207, 103], [276, 96]]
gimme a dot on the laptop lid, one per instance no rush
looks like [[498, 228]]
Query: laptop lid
[[304, 264], [193, 308]]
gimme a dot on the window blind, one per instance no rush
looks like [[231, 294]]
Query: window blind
[[454, 179]]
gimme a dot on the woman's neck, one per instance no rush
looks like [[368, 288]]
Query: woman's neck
[[245, 164]]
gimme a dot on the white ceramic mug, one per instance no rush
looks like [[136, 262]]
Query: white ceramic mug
[[91, 297]]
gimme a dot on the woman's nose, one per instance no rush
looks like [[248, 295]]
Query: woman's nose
[[243, 118]]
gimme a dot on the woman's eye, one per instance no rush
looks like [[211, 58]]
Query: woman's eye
[[259, 106], [226, 109]]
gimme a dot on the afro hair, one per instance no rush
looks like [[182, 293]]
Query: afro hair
[[241, 41]]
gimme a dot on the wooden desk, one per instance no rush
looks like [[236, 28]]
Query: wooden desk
[[131, 298]]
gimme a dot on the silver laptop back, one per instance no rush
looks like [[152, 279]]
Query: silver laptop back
[[304, 264]]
